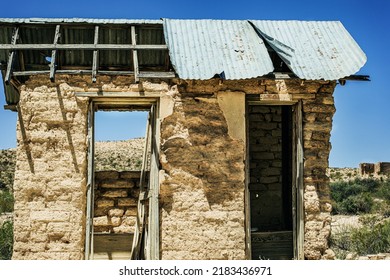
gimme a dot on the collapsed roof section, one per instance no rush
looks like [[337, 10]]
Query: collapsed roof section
[[168, 48]]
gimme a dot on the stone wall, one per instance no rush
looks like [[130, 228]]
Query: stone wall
[[116, 198], [379, 168], [318, 112], [265, 183]]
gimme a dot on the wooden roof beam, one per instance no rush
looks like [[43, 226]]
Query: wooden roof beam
[[11, 57], [91, 47]]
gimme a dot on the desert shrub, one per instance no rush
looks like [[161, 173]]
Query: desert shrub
[[6, 201], [384, 190], [357, 196], [357, 204], [372, 237], [6, 240]]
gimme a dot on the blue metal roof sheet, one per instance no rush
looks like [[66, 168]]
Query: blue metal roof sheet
[[201, 49], [313, 50]]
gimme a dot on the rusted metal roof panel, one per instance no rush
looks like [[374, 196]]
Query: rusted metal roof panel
[[201, 49], [313, 50]]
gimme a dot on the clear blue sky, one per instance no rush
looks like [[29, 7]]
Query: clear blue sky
[[361, 131]]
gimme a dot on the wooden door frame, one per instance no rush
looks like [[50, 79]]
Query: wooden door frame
[[123, 101], [297, 178]]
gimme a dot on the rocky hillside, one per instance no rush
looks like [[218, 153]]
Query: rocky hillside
[[346, 174], [119, 155]]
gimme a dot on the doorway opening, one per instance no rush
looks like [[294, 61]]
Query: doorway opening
[[272, 182], [121, 138]]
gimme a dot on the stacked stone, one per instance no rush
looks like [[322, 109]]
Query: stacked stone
[[317, 124], [265, 148], [202, 194], [116, 198]]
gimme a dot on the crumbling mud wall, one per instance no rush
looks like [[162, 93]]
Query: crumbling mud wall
[[50, 177], [202, 188], [202, 160], [51, 169], [318, 111]]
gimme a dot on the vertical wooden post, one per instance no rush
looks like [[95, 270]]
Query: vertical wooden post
[[54, 54], [95, 58], [90, 184], [135, 54], [298, 168], [154, 214], [11, 57], [248, 236]]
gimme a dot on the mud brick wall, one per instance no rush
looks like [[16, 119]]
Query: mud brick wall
[[50, 177], [382, 168], [116, 198], [265, 148], [318, 111], [202, 188], [202, 157], [51, 169], [366, 168]]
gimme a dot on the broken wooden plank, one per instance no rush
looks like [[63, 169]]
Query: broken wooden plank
[[54, 54], [11, 57], [95, 55]]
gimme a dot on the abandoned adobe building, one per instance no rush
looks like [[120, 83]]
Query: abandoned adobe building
[[237, 142]]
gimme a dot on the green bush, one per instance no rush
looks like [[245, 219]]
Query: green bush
[[6, 201], [357, 204], [6, 240], [372, 237], [357, 196]]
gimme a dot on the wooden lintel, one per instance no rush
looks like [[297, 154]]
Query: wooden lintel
[[95, 55], [54, 54], [11, 57], [91, 47], [135, 54]]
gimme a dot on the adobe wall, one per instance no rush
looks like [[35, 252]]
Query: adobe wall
[[202, 157], [51, 170], [50, 176], [203, 176], [116, 198]]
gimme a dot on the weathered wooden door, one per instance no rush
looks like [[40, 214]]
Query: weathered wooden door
[[146, 236]]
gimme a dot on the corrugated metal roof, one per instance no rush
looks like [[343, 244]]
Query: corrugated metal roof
[[200, 49], [314, 50]]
